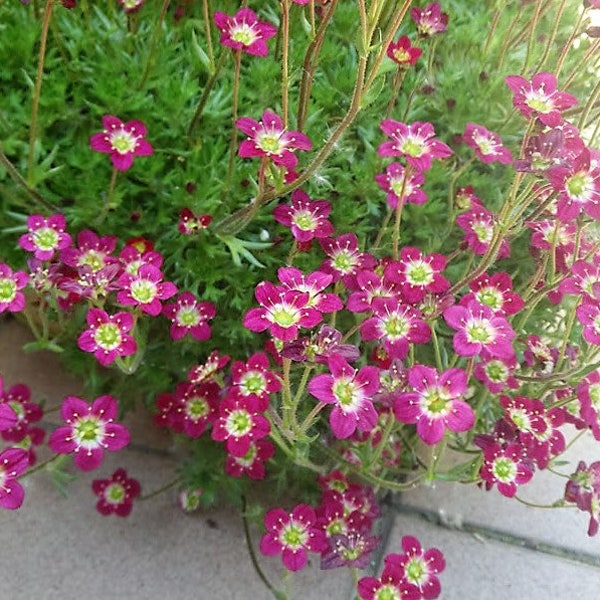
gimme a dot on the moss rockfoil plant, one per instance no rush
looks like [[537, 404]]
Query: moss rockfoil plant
[[323, 243]]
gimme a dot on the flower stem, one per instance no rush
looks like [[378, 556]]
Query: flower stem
[[41, 466], [154, 43], [160, 490], [37, 90], [285, 29], [207, 31], [234, 113], [109, 197]]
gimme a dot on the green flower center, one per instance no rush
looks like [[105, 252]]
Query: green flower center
[[196, 407], [594, 391], [483, 231], [504, 470], [396, 326], [521, 419], [344, 261], [397, 183], [285, 316], [484, 144], [8, 290], [387, 592], [187, 316], [93, 259], [491, 297], [294, 536], [108, 336], [252, 383], [578, 186], [115, 493], [304, 220], [18, 408], [479, 332], [248, 459], [435, 403], [143, 291], [239, 423], [87, 431], [415, 571], [419, 273], [539, 102], [344, 392], [496, 371], [243, 34], [400, 55], [412, 148], [45, 238], [270, 143], [122, 141]]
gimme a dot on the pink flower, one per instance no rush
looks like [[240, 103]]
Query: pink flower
[[479, 329], [583, 488], [187, 315], [189, 223], [107, 336], [366, 286], [145, 289], [430, 19], [116, 494], [253, 379], [11, 298], [268, 138], [282, 312], [17, 412], [506, 467], [478, 225], [90, 430], [584, 276], [435, 403], [45, 236], [13, 462], [314, 283], [305, 217], [130, 6], [123, 141], [402, 53], [351, 392], [293, 535], [497, 374], [539, 98], [344, 257], [243, 31], [252, 463], [588, 314], [207, 371], [240, 423], [397, 325], [487, 144], [92, 251], [401, 185], [414, 142], [417, 274], [496, 292]]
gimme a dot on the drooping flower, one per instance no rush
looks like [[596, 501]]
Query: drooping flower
[[350, 392], [269, 138], [123, 141], [252, 463], [116, 494], [414, 142], [108, 335], [11, 298], [401, 185], [487, 144], [320, 346], [540, 98], [145, 289], [13, 462], [583, 489], [307, 219], [402, 53], [188, 315], [430, 19], [130, 6], [207, 371], [293, 535], [189, 223], [243, 31], [90, 430], [435, 404], [45, 236], [588, 314]]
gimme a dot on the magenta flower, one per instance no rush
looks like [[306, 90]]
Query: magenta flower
[[243, 31], [401, 185], [240, 423], [92, 251], [344, 257], [189, 223], [268, 138], [478, 225], [392, 584], [108, 335], [292, 535], [497, 374], [583, 488], [417, 274], [588, 314], [402, 53], [430, 19], [252, 463], [253, 379], [487, 144], [145, 289], [308, 219], [366, 286], [187, 315], [414, 142], [90, 430], [11, 298], [282, 312], [13, 462], [397, 325], [435, 403], [320, 346], [45, 236], [351, 392], [116, 494], [506, 467], [539, 98], [541, 447], [578, 186], [17, 412], [479, 329], [313, 284], [207, 371], [584, 276], [123, 141], [588, 393], [495, 292]]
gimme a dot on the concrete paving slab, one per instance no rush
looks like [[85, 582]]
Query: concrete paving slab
[[564, 527], [483, 569]]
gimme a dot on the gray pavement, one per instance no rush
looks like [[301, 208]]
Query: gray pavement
[[60, 548]]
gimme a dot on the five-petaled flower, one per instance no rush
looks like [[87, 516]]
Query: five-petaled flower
[[243, 31], [11, 298], [123, 141], [270, 139], [188, 315], [307, 219], [90, 430], [45, 236], [145, 289], [116, 494], [402, 53], [13, 462], [487, 144], [430, 19]]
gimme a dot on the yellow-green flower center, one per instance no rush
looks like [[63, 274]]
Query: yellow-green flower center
[[8, 290]]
